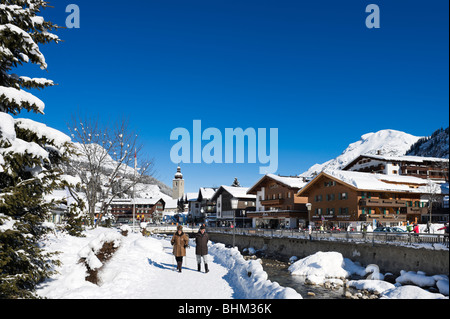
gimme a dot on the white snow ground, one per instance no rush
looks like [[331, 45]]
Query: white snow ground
[[143, 268]]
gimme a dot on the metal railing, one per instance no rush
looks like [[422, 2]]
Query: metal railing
[[355, 236], [165, 229]]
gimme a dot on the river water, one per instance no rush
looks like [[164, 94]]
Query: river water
[[278, 271]]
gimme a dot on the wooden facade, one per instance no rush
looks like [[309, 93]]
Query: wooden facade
[[421, 167], [277, 203], [225, 215], [338, 203], [146, 210]]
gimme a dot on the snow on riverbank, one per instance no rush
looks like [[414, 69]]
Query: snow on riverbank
[[322, 266], [248, 277], [143, 267]]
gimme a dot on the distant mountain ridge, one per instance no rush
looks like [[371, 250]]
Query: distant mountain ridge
[[384, 142], [436, 145]]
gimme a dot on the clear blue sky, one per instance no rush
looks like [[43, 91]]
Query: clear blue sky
[[309, 68]]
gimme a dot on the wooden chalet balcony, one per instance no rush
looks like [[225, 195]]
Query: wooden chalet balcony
[[368, 202], [417, 210], [383, 217], [278, 214], [270, 202]]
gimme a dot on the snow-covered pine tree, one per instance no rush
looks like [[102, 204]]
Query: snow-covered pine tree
[[30, 152], [236, 183]]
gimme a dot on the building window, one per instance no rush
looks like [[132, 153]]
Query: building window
[[365, 195], [343, 196], [330, 197], [318, 198]]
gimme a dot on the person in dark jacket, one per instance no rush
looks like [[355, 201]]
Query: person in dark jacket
[[201, 250]]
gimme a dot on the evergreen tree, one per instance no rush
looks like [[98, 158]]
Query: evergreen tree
[[236, 183], [30, 152]]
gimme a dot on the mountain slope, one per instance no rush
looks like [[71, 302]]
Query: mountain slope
[[384, 142], [437, 145]]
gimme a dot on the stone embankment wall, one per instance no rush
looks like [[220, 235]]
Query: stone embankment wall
[[390, 258]]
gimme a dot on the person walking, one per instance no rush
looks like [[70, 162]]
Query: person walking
[[445, 233], [201, 249], [416, 232], [409, 227], [179, 242]]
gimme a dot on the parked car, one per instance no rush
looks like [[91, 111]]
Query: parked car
[[383, 229], [398, 230]]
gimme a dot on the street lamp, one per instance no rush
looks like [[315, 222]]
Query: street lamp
[[308, 207], [234, 207]]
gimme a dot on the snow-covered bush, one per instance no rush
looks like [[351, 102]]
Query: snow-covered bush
[[98, 252]]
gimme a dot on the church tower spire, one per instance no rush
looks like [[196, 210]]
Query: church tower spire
[[178, 184]]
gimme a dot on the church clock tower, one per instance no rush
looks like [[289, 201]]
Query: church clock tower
[[178, 184]]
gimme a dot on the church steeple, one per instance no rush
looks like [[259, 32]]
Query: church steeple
[[178, 174], [178, 184]]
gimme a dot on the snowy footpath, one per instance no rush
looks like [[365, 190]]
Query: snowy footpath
[[143, 268]]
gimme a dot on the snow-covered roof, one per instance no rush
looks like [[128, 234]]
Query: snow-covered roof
[[171, 203], [289, 181], [405, 158], [296, 182], [191, 197], [237, 192], [381, 182], [207, 192], [136, 201]]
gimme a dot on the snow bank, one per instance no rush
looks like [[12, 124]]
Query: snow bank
[[422, 280], [416, 278], [248, 277], [322, 265], [410, 292], [143, 268], [443, 285], [316, 268], [123, 277], [378, 286]]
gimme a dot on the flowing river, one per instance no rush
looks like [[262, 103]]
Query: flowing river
[[278, 271]]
